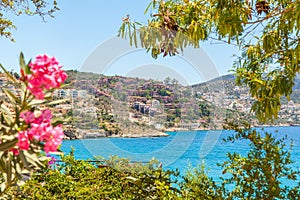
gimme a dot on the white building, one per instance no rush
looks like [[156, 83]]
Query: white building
[[71, 93]]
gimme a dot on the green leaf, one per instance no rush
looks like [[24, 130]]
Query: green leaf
[[2, 160], [121, 30], [9, 172], [7, 115], [134, 36], [11, 96], [33, 160], [3, 186], [59, 101], [36, 102], [5, 110], [148, 7], [23, 158], [22, 62], [5, 146], [10, 77], [56, 120], [130, 36], [18, 168]]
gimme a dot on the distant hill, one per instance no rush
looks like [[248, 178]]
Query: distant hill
[[227, 82], [224, 78], [231, 77], [199, 106], [228, 77]]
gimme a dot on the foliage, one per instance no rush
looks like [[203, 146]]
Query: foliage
[[124, 164], [256, 175], [77, 179], [197, 185], [259, 174], [28, 7], [265, 31], [25, 128]]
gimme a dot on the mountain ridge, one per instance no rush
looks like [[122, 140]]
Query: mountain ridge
[[232, 77]]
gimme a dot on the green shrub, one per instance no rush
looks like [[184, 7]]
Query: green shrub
[[260, 173], [197, 185], [77, 179], [256, 175]]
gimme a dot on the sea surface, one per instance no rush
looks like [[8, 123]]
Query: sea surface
[[180, 150]]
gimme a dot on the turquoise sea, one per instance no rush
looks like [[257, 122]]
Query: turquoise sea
[[180, 149]]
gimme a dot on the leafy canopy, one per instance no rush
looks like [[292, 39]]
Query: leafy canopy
[[28, 7], [266, 32]]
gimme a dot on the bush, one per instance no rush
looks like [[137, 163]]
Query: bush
[[260, 173], [257, 175], [76, 179], [197, 185]]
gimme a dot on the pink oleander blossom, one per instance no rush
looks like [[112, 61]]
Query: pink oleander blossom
[[40, 129], [15, 151], [55, 139], [46, 74], [46, 115], [30, 118], [23, 141], [27, 116], [52, 159]]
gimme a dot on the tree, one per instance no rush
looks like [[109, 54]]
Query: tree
[[259, 173], [167, 80], [266, 32], [27, 7]]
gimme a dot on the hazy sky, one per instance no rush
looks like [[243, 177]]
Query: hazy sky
[[82, 27]]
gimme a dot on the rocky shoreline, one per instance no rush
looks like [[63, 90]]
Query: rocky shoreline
[[75, 133]]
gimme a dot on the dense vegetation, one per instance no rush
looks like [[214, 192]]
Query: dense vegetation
[[258, 175]]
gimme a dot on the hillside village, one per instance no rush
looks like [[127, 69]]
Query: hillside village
[[226, 94], [116, 106]]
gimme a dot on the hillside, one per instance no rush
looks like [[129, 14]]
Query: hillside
[[116, 106], [231, 78], [223, 92], [133, 107]]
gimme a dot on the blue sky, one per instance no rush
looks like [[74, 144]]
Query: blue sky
[[82, 26]]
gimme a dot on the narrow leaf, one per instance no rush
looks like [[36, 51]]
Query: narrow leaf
[[11, 96], [8, 74], [22, 61], [23, 158], [148, 7], [59, 101], [5, 146], [9, 172]]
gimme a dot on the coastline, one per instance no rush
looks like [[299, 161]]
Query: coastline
[[76, 134], [220, 129]]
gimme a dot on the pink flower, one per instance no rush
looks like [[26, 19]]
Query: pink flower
[[23, 141], [46, 75], [40, 130], [15, 151], [27, 116], [46, 115], [55, 139], [52, 160]]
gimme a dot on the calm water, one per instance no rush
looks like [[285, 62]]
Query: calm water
[[179, 150]]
